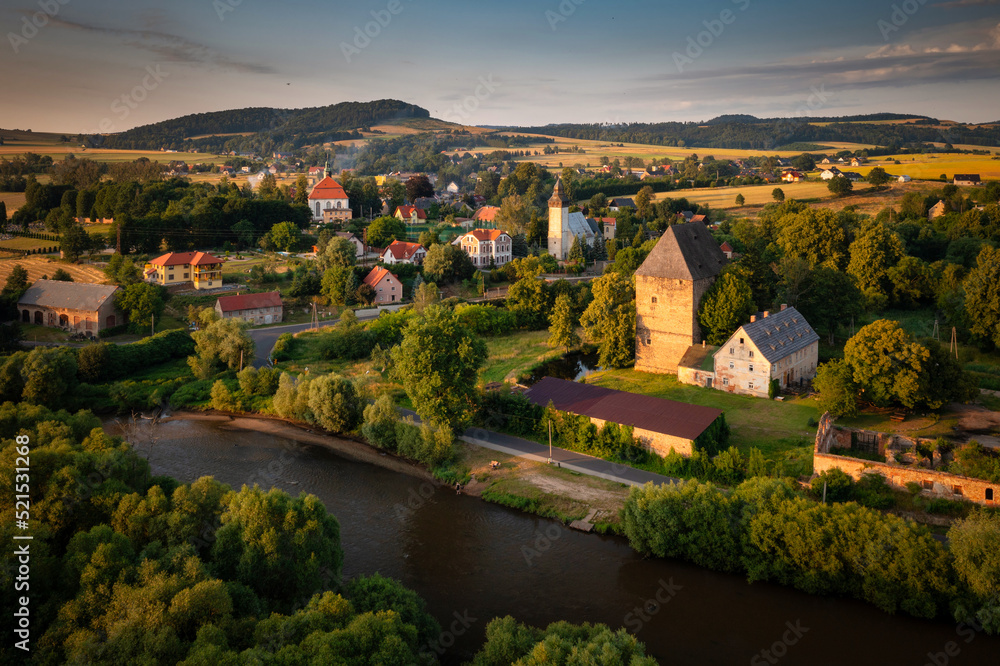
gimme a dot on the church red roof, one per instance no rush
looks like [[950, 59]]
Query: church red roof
[[328, 188]]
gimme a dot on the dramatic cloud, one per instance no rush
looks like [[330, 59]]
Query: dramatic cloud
[[173, 48]]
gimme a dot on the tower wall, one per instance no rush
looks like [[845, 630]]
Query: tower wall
[[559, 233], [666, 328]]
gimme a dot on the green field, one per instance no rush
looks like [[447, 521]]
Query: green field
[[21, 243], [512, 355]]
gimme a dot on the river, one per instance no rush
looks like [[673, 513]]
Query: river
[[475, 561]]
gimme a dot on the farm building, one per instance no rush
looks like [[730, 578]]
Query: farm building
[[660, 424], [265, 308], [968, 179], [82, 307]]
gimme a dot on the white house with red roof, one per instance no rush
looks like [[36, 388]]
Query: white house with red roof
[[265, 308], [410, 214], [328, 201], [388, 288], [401, 252], [487, 247], [201, 269]]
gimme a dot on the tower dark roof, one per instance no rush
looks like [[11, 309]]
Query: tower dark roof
[[559, 198], [684, 252]]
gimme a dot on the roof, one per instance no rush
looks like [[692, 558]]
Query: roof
[[407, 211], [622, 202], [967, 176], [487, 234], [780, 334], [486, 213], [558, 198], [699, 358], [377, 275], [270, 299], [402, 250], [726, 247], [186, 258], [684, 252], [70, 295], [328, 188], [641, 411], [346, 234]]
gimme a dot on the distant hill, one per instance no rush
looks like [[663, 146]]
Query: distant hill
[[264, 129]]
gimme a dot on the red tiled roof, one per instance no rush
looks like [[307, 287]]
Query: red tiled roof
[[641, 411], [186, 258], [726, 247], [270, 299], [402, 250], [486, 234], [407, 211], [328, 188], [486, 214], [377, 275]]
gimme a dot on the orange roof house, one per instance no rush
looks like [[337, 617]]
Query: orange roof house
[[388, 288], [202, 269], [410, 214], [401, 252]]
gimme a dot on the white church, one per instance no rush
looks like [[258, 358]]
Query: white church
[[564, 226], [328, 201]]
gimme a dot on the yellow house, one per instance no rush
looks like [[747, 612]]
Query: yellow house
[[201, 269]]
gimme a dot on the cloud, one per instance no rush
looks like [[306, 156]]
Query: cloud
[[173, 48]]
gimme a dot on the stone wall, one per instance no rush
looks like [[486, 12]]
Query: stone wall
[[657, 442], [695, 376], [666, 327]]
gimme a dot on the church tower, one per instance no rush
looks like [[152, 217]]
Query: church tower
[[560, 236]]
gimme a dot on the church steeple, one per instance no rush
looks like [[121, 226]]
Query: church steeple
[[328, 171], [559, 198]]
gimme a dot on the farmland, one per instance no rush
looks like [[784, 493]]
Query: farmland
[[38, 267], [755, 195]]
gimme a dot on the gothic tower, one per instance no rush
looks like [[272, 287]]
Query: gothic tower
[[560, 237]]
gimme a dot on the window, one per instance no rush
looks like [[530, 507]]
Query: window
[[741, 340], [654, 299], [732, 365], [170, 277], [750, 386], [751, 354], [957, 490], [751, 367], [927, 484], [725, 381], [186, 276], [989, 494], [732, 350]]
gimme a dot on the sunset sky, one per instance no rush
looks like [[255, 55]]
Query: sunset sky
[[544, 61]]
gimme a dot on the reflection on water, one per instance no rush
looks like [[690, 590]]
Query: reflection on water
[[574, 367], [476, 559]]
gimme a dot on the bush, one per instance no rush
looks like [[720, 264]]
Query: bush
[[283, 347], [380, 420], [873, 491], [839, 485], [508, 411], [335, 403]]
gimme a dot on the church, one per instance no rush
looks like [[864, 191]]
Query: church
[[564, 226], [328, 201]]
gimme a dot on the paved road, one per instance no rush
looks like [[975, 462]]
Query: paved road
[[577, 462]]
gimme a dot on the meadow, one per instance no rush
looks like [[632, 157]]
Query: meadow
[[755, 195]]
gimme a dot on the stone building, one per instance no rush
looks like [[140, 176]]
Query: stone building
[[265, 308], [779, 346], [565, 226], [81, 307], [668, 290]]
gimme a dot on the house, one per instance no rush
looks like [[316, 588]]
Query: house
[[903, 179], [453, 188], [937, 210], [265, 308], [618, 203], [315, 172], [83, 307], [659, 424], [669, 286], [779, 346], [793, 176], [410, 214], [388, 288], [727, 249], [565, 226], [968, 179], [486, 214], [826, 160], [201, 269], [487, 247], [425, 203], [359, 246], [328, 201], [401, 252], [857, 161], [831, 173], [852, 176], [609, 225]]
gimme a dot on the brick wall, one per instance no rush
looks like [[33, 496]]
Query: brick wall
[[665, 329]]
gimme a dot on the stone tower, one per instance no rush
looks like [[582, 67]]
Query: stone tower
[[668, 290], [560, 236]]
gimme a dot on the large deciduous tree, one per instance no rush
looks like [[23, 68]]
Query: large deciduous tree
[[875, 250], [609, 320], [223, 344], [438, 364], [562, 324], [726, 306], [982, 297], [818, 236], [383, 230], [417, 187], [140, 301]]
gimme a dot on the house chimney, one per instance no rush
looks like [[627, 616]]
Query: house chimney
[[753, 318], [767, 313], [784, 306]]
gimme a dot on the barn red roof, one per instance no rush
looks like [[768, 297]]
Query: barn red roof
[[407, 212], [641, 411], [403, 251], [270, 299]]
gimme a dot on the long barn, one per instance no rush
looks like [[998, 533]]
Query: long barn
[[659, 423]]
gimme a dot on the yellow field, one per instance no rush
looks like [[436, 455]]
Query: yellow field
[[755, 195], [22, 243], [14, 200], [39, 266], [58, 151], [932, 166]]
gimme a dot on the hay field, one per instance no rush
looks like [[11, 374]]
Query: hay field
[[14, 200], [755, 195], [930, 167], [39, 266]]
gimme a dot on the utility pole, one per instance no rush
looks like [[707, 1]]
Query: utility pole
[[118, 247], [550, 441], [241, 360], [315, 318], [954, 342], [152, 324], [937, 332]]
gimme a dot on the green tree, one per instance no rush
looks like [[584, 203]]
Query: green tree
[[245, 232], [838, 392], [286, 236], [383, 230], [61, 275], [840, 185], [982, 297], [446, 263], [874, 251], [122, 271], [438, 364], [17, 283], [597, 205], [878, 177], [643, 202], [140, 302], [740, 200], [562, 328], [725, 307], [301, 190], [778, 194], [49, 375], [339, 285], [886, 364], [514, 215], [972, 541], [818, 236], [530, 300], [576, 251], [74, 241], [335, 403], [338, 252], [827, 299], [223, 344], [609, 320]]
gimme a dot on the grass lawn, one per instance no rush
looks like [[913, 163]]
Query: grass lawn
[[22, 243], [34, 333], [511, 355], [14, 200]]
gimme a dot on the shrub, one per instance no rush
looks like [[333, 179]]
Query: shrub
[[873, 491], [335, 403], [839, 485], [283, 347], [380, 420]]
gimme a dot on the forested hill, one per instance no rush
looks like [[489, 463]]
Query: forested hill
[[748, 132], [281, 126]]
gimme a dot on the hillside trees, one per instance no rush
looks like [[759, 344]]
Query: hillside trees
[[982, 297], [875, 250], [141, 302], [223, 344], [383, 230]]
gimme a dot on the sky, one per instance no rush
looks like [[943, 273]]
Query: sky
[[88, 66]]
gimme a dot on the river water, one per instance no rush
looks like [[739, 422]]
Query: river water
[[475, 561]]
